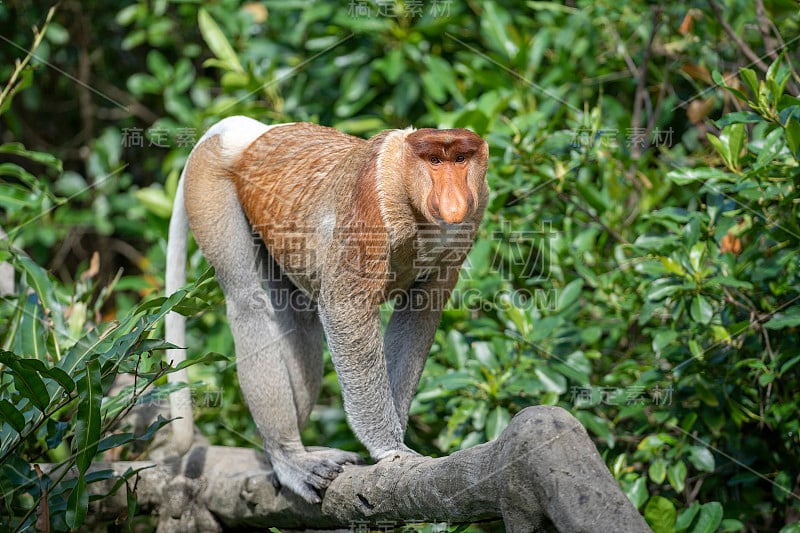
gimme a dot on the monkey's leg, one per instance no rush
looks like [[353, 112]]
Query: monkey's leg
[[279, 362], [298, 319]]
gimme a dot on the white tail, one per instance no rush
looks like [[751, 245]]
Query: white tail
[[175, 326]]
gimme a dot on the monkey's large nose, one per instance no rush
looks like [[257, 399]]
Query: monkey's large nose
[[453, 206]]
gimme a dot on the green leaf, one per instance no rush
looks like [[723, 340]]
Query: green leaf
[[31, 338], [496, 422], [701, 458], [592, 196], [637, 492], [750, 79], [494, 28], [731, 524], [701, 310], [39, 280], [78, 503], [685, 176], [391, 65], [552, 381], [140, 84], [10, 414], [719, 80], [48, 160], [56, 374], [770, 149], [672, 266], [453, 380], [660, 514], [618, 466], [737, 135], [663, 338], [114, 440], [789, 364], [709, 518], [696, 349], [793, 137], [686, 516], [676, 475], [773, 70], [87, 425], [657, 471], [721, 145], [789, 318], [26, 380], [661, 288], [155, 200], [569, 294], [218, 43], [744, 117], [696, 255]]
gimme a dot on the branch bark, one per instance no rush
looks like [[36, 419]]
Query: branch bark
[[542, 474]]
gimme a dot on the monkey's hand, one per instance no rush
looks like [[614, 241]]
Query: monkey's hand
[[309, 473]]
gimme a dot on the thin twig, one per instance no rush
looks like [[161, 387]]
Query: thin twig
[[38, 35], [766, 33], [642, 98], [773, 42], [746, 50]]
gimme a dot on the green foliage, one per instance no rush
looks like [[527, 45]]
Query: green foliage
[[638, 263], [52, 389]]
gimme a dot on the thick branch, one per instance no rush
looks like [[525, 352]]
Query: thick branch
[[542, 473]]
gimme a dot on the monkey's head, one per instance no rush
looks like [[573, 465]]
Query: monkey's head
[[446, 174]]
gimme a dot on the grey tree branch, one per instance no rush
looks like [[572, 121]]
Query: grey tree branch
[[542, 474]]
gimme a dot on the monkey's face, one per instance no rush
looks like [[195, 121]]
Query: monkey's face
[[446, 174]]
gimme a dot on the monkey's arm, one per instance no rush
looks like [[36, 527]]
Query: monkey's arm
[[353, 330]]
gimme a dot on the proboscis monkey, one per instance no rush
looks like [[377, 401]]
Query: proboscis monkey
[[310, 230]]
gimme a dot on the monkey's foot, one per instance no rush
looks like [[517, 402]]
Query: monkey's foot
[[308, 474], [405, 451]]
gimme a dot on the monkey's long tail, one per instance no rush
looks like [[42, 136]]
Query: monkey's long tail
[[175, 326]]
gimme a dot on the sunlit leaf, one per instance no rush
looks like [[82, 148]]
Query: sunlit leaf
[[218, 43], [660, 514]]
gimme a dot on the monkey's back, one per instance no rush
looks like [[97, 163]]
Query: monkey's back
[[287, 183]]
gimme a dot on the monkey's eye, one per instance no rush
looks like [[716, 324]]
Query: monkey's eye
[[434, 160], [460, 159]]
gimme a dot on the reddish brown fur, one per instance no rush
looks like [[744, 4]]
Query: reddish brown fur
[[445, 144], [292, 180]]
